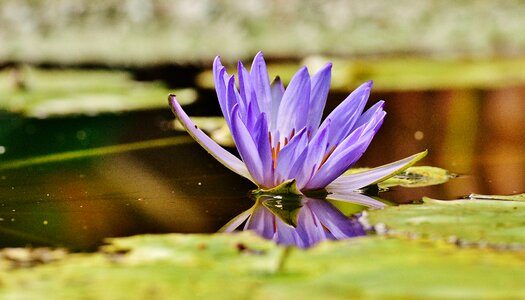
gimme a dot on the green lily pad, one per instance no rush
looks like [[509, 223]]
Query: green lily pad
[[43, 93], [243, 266], [469, 221]]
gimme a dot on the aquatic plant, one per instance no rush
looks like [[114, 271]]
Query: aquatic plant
[[280, 137]]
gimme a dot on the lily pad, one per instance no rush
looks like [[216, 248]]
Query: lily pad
[[467, 221], [43, 93], [244, 266]]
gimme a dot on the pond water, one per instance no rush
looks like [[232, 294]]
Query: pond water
[[170, 184]]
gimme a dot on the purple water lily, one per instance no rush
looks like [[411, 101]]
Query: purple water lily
[[280, 137]]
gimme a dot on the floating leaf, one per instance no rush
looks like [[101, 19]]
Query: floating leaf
[[469, 221], [418, 176], [243, 266]]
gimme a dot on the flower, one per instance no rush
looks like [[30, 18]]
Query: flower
[[280, 137], [316, 220]]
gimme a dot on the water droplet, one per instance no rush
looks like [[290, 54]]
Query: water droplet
[[419, 135]]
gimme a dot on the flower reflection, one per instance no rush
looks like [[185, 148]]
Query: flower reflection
[[299, 221]]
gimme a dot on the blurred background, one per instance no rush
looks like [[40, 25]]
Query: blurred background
[[89, 149]]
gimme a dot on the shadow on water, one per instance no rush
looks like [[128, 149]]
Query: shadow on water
[[178, 187]]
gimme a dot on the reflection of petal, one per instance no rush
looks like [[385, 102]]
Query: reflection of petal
[[237, 221], [353, 197], [359, 180], [318, 220]]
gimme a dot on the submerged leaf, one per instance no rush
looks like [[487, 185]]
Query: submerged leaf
[[467, 221]]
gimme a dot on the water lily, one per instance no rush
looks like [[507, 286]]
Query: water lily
[[280, 137]]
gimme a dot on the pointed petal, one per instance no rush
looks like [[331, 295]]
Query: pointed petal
[[370, 113], [346, 114], [245, 84], [293, 111], [219, 74], [261, 84], [352, 182], [223, 156], [246, 146], [320, 87], [277, 95]]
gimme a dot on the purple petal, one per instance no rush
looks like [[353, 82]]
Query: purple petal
[[219, 73], [346, 114], [352, 182], [293, 111], [246, 146], [226, 158], [320, 87], [232, 98], [261, 84], [277, 95]]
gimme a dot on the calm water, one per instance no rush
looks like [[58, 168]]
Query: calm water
[[77, 203]]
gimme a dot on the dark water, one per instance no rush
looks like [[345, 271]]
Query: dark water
[[76, 203]]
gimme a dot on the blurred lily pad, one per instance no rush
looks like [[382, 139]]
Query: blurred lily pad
[[480, 222], [244, 266], [43, 93]]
